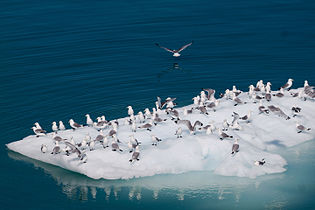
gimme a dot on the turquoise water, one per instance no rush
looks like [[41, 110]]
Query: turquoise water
[[63, 59]]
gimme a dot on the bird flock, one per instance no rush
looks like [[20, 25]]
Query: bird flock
[[204, 103]]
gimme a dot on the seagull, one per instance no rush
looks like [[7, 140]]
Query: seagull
[[179, 132], [155, 140], [301, 128], [61, 126], [175, 52], [54, 127], [115, 146], [213, 105], [268, 96], [262, 108], [130, 110], [58, 138], [189, 126], [203, 110], [147, 113], [56, 149], [225, 125], [157, 119], [187, 111], [278, 111], [174, 113], [295, 110], [37, 125], [237, 100], [132, 144], [38, 131], [288, 85], [91, 145], [210, 93], [43, 148], [247, 117], [89, 121], [148, 126], [223, 135], [235, 147], [260, 162], [105, 142], [99, 137], [135, 155], [141, 117], [74, 125], [280, 94]]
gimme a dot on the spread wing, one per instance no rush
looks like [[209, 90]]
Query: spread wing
[[169, 50], [184, 47]]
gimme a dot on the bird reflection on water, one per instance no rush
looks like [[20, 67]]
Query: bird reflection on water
[[174, 68], [201, 184]]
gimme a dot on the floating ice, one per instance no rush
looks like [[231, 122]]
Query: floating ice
[[263, 137]]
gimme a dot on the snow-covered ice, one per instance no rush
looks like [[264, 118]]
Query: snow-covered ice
[[261, 138]]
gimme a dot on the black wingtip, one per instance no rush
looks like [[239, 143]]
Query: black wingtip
[[157, 44]]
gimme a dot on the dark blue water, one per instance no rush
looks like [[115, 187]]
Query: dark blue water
[[63, 59]]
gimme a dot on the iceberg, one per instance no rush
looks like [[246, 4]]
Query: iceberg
[[263, 137]]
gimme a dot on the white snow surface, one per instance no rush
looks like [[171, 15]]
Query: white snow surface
[[263, 137]]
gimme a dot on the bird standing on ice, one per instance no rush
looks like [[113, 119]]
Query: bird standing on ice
[[179, 132], [288, 85], [61, 126], [175, 52], [130, 110], [74, 125], [54, 127], [235, 147], [43, 148], [89, 121], [38, 131]]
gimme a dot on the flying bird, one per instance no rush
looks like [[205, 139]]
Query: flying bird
[[175, 52]]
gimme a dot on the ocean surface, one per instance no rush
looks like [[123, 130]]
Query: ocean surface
[[63, 59]]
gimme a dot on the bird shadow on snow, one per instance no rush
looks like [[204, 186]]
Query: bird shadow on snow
[[276, 143]]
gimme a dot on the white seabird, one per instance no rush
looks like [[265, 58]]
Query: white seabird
[[301, 128], [89, 121], [61, 126], [43, 148], [38, 131], [225, 125], [189, 125], [288, 85], [155, 140], [74, 125], [56, 149], [295, 110], [115, 146], [57, 138], [54, 127], [37, 125], [175, 52], [147, 113], [247, 117], [99, 137], [260, 162], [210, 93], [105, 142], [133, 127], [223, 135], [135, 155], [179, 132], [147, 126], [235, 147], [130, 110]]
